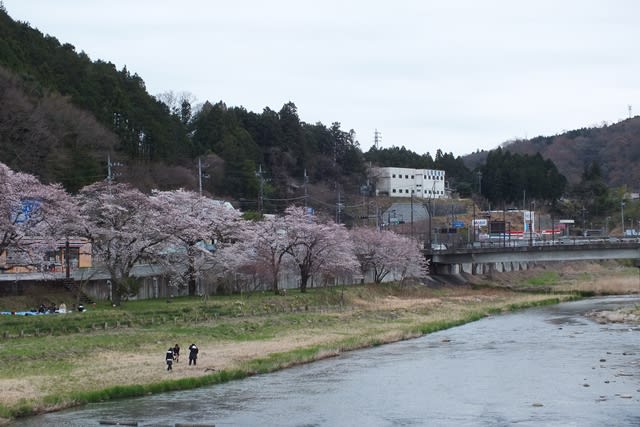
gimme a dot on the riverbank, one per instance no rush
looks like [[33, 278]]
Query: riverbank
[[107, 353]]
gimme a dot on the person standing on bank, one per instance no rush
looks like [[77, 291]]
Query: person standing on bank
[[169, 359], [193, 354], [176, 353]]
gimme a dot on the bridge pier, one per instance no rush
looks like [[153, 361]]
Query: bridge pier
[[467, 268]]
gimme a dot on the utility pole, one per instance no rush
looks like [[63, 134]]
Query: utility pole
[[306, 181], [111, 172], [338, 206], [473, 225], [109, 175], [67, 261], [200, 176], [429, 207], [261, 196], [412, 213]]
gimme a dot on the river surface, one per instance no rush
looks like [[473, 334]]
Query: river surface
[[547, 366]]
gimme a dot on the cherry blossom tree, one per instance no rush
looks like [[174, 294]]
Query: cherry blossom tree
[[32, 215], [195, 220], [240, 263], [318, 248], [296, 241], [125, 227], [262, 248], [384, 252]]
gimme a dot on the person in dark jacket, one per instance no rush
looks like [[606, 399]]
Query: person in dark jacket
[[176, 352], [169, 359], [193, 354]]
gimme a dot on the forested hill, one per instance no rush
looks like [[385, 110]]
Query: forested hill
[[63, 114], [615, 148]]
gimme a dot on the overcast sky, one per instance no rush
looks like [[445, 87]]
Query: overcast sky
[[452, 75]]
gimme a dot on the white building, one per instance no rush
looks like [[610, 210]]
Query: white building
[[403, 182]]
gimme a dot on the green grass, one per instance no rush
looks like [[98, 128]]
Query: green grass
[[547, 278]]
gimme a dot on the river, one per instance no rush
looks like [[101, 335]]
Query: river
[[549, 366]]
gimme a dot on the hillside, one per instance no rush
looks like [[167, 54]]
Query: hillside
[[62, 116], [615, 147]]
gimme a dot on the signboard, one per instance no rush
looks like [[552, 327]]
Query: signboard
[[480, 222], [28, 206], [458, 224]]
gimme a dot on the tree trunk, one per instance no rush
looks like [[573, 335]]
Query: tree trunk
[[191, 277], [304, 279], [115, 292]]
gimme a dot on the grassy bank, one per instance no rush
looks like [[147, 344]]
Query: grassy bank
[[58, 361]]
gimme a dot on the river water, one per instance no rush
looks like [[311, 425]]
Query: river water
[[547, 366]]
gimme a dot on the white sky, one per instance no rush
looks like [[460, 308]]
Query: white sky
[[451, 75]]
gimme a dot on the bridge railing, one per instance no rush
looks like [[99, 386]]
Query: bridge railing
[[519, 243]]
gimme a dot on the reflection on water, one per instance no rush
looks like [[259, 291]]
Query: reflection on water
[[547, 366]]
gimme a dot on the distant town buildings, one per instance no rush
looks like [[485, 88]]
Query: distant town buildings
[[405, 182]]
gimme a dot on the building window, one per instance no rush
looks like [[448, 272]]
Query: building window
[[406, 176], [393, 176], [393, 191]]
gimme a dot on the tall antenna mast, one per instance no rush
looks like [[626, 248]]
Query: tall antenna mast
[[377, 138]]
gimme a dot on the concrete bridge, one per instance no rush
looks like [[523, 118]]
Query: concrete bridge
[[482, 260]]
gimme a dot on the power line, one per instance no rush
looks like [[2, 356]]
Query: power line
[[284, 200]]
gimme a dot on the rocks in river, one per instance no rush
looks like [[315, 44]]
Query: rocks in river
[[537, 405], [617, 316]]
